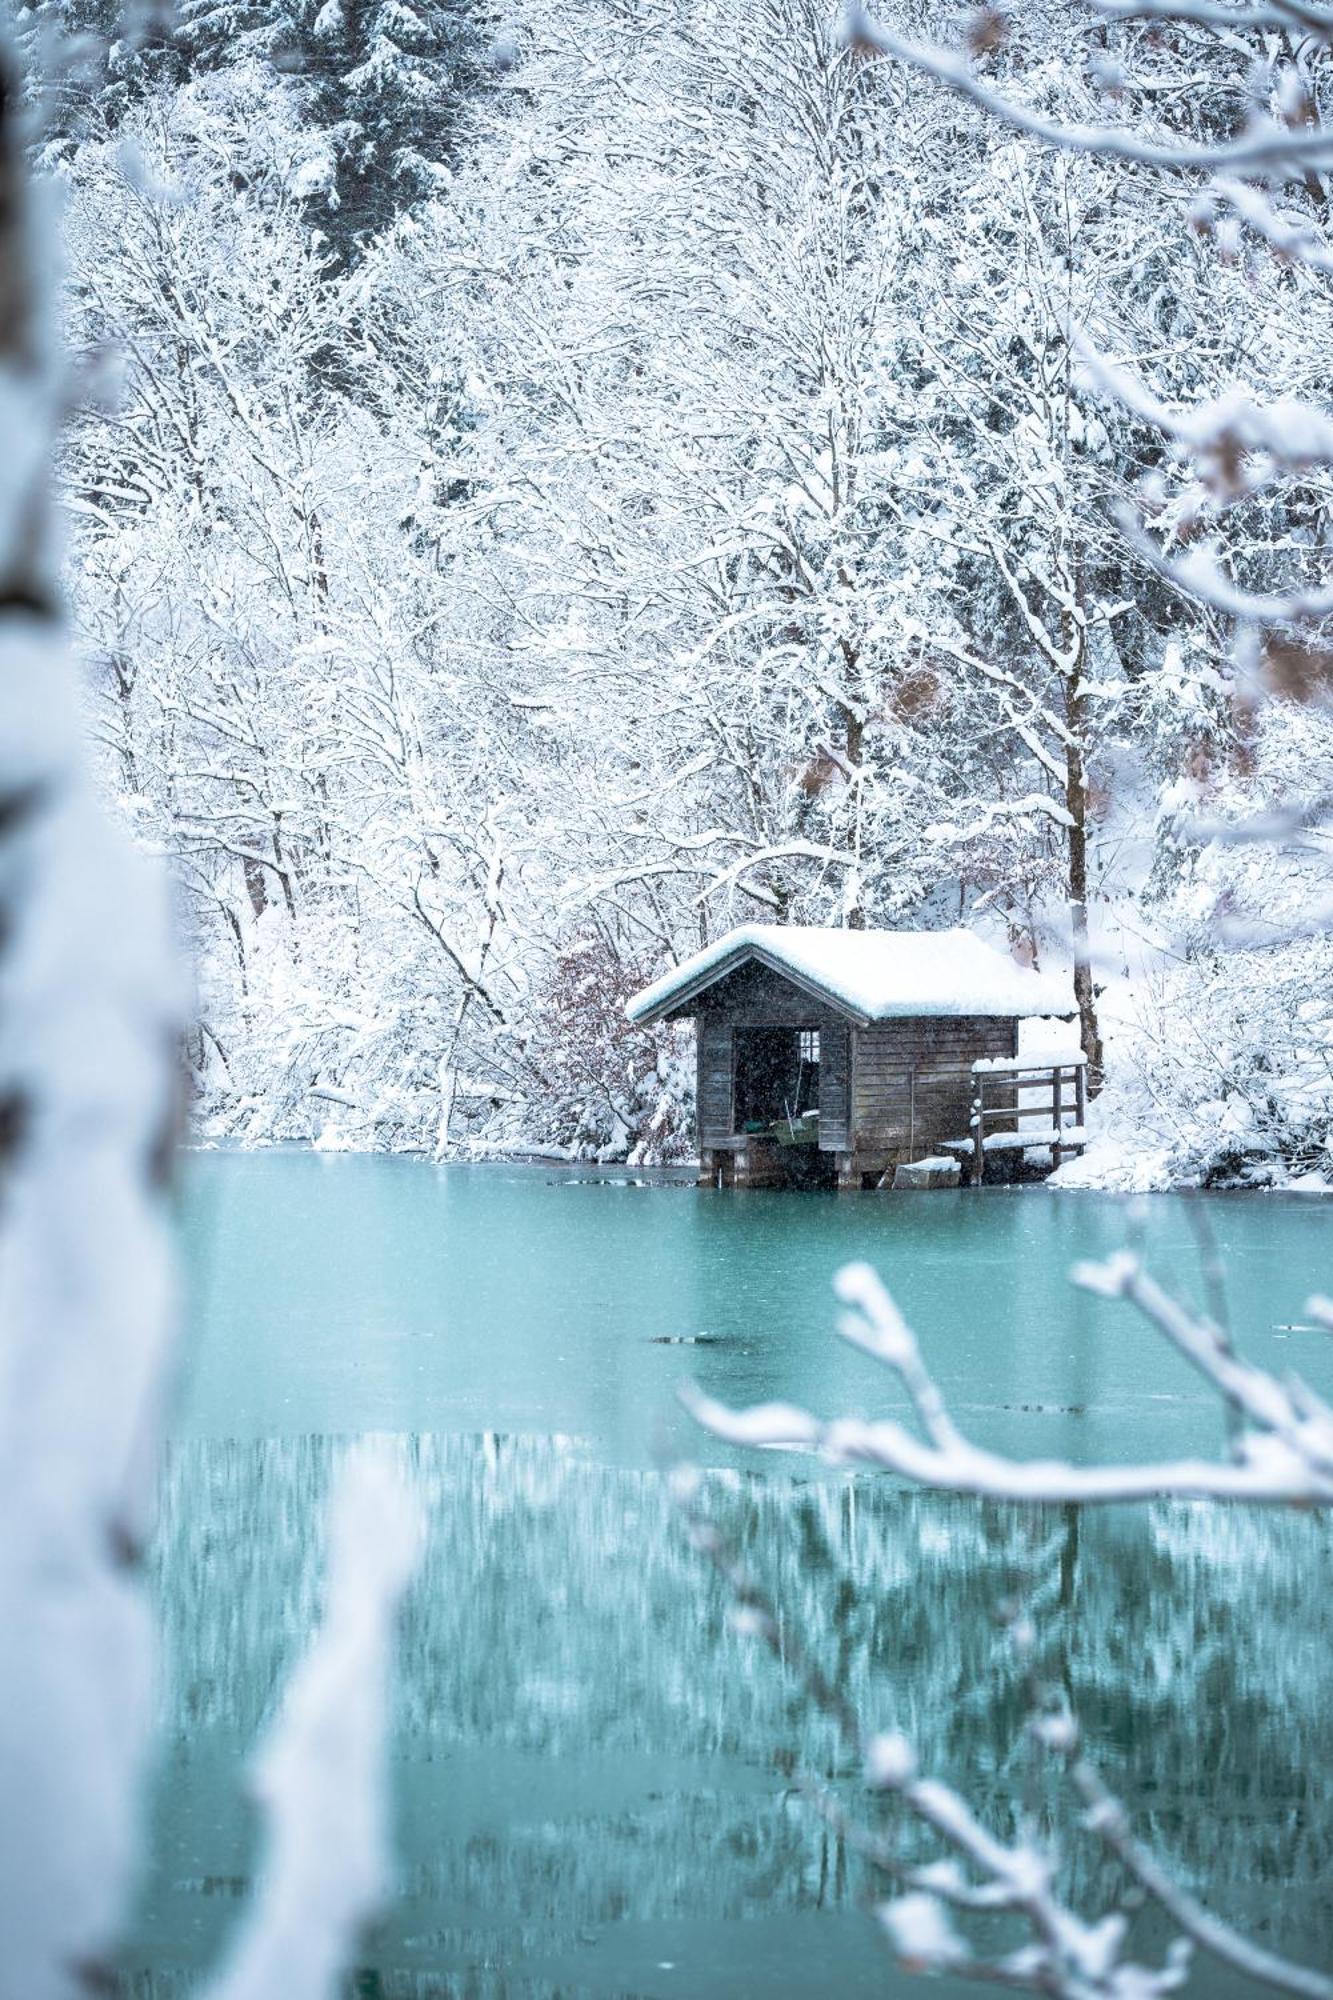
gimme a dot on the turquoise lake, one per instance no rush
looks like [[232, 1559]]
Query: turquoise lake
[[596, 1781]]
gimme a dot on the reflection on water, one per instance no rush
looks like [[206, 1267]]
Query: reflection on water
[[594, 1779], [595, 1776]]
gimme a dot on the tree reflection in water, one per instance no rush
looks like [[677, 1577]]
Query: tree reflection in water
[[584, 1745]]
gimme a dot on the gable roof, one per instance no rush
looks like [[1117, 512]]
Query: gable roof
[[868, 975]]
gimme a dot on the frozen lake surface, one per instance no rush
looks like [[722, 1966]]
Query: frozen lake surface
[[594, 1777]]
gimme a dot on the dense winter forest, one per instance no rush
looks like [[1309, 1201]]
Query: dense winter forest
[[539, 489], [547, 488]]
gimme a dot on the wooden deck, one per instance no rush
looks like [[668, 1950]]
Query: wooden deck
[[1010, 1091]]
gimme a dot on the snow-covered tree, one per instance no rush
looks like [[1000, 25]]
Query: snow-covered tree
[[662, 521]]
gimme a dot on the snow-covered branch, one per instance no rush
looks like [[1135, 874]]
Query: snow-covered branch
[[1282, 1441], [1220, 15], [320, 1776], [1267, 146], [1282, 1450], [1237, 443], [931, 1904], [1295, 239]]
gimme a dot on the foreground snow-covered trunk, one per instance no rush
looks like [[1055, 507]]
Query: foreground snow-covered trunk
[[88, 1005], [91, 1011]]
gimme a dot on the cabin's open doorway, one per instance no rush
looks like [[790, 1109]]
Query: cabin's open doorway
[[775, 1105], [777, 1075]]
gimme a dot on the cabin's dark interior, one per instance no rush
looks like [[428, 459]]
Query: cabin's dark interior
[[777, 1074]]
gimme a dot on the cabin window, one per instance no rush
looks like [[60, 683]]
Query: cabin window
[[809, 1045]]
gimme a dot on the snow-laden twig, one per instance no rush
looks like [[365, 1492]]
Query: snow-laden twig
[[320, 1775], [1239, 447], [1239, 444], [1226, 433], [1266, 147], [1199, 574], [1268, 829], [1108, 1818], [1220, 14], [1295, 239], [1036, 805], [762, 857], [1063, 1956], [1283, 1449]]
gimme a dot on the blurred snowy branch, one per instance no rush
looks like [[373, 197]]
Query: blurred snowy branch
[[1239, 445], [320, 1775], [1267, 146], [1220, 15], [1282, 1449], [1295, 238], [977, 1874], [1282, 1444], [1237, 442]]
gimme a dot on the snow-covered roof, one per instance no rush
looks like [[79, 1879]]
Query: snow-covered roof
[[870, 975]]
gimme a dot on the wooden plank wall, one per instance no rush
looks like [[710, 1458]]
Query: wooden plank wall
[[754, 997], [942, 1051], [713, 1103], [835, 1079]]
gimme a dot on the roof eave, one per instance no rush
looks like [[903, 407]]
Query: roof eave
[[680, 1000]]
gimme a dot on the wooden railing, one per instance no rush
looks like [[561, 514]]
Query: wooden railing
[[1000, 1086]]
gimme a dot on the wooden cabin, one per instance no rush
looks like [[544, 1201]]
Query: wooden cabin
[[830, 1057]]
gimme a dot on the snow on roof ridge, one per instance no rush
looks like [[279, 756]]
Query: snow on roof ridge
[[874, 975]]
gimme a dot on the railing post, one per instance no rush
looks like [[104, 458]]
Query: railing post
[[978, 1131]]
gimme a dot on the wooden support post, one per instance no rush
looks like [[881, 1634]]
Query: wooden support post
[[1081, 1097], [978, 1133]]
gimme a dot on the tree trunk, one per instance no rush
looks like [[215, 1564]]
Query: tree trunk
[[255, 886], [1076, 804], [855, 733]]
